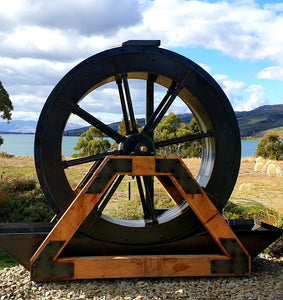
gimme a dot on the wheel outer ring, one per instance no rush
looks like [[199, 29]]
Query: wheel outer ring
[[206, 98]]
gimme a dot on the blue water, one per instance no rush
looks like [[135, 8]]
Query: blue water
[[249, 148], [22, 145]]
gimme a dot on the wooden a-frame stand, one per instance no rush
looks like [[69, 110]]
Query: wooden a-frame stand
[[46, 264]]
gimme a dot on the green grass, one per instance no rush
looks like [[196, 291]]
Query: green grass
[[250, 211], [6, 261]]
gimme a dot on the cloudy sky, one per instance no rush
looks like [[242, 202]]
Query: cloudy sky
[[240, 43]]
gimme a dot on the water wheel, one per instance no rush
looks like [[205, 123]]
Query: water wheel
[[166, 77]]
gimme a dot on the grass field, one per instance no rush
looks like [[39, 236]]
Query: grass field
[[263, 189]]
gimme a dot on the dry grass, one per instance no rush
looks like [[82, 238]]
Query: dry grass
[[264, 189], [17, 165]]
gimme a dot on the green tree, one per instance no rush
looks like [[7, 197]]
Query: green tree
[[270, 147], [91, 142], [6, 106], [172, 127], [122, 127]]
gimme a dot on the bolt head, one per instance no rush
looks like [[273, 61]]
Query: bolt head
[[143, 149]]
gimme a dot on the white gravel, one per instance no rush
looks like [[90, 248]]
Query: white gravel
[[266, 282]]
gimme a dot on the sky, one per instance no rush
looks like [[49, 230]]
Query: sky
[[240, 44]]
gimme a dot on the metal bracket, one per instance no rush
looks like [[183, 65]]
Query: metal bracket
[[152, 43], [44, 266], [112, 167], [237, 264], [175, 167]]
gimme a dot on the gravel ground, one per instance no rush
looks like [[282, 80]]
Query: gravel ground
[[266, 282]]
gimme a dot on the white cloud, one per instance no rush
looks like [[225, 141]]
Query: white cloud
[[231, 87], [43, 29], [41, 40], [86, 17], [273, 73], [242, 97], [32, 71], [239, 28], [257, 98], [205, 67]]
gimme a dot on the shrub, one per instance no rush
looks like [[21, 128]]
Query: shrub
[[276, 249], [279, 222], [21, 200], [270, 147], [250, 211], [5, 154]]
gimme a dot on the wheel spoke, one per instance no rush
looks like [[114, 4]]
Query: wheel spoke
[[88, 176], [98, 124], [148, 183], [150, 97], [87, 159], [146, 211], [184, 139], [162, 108], [109, 194], [129, 103], [123, 105], [149, 112]]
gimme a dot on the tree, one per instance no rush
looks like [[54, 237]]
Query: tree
[[270, 147], [172, 127], [91, 142], [122, 127], [6, 106]]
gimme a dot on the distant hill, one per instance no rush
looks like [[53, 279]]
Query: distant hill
[[24, 127], [277, 130], [114, 126], [253, 123], [263, 118]]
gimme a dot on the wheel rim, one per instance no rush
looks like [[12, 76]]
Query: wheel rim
[[197, 89]]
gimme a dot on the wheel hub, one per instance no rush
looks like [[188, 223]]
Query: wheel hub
[[138, 144]]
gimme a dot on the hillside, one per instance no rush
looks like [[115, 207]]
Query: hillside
[[23, 127], [261, 119], [253, 123]]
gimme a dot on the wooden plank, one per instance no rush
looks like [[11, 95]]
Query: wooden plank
[[142, 266], [172, 191], [143, 165]]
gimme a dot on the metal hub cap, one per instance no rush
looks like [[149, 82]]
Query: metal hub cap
[[138, 144]]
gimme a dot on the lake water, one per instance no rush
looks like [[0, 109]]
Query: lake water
[[22, 145]]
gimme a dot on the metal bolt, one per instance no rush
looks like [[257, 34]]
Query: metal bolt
[[143, 149]]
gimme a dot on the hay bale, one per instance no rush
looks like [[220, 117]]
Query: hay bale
[[271, 169], [279, 171], [258, 166], [264, 169], [259, 159], [245, 187]]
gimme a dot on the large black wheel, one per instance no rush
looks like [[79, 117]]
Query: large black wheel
[[181, 78]]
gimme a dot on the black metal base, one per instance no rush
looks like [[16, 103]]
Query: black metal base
[[21, 240]]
